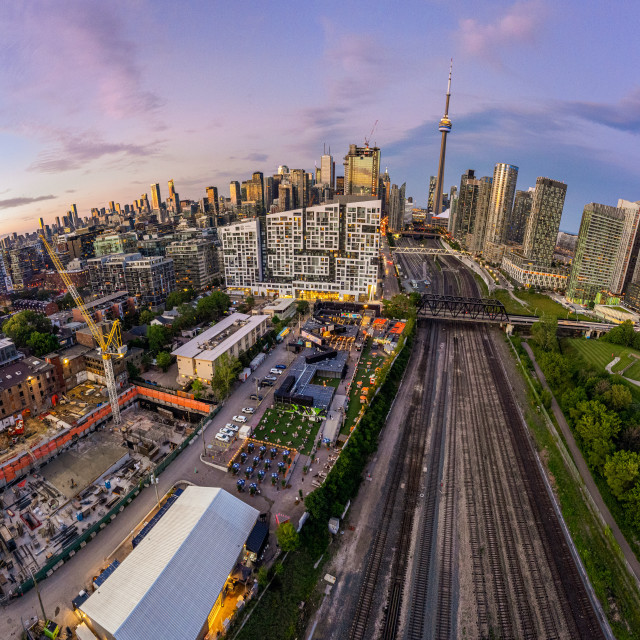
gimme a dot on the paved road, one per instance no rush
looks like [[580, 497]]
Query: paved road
[[390, 281], [58, 590], [591, 486]]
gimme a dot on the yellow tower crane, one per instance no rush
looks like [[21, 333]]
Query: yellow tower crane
[[109, 346]]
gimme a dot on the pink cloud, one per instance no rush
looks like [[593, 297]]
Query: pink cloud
[[519, 25]]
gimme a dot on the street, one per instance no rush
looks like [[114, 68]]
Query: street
[[59, 589]]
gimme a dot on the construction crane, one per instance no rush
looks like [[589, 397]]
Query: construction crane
[[366, 140], [109, 346]]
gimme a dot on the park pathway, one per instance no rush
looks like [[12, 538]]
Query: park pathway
[[585, 473]]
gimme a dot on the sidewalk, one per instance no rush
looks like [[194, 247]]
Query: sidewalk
[[585, 473]]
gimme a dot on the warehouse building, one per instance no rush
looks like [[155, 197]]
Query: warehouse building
[[174, 583]]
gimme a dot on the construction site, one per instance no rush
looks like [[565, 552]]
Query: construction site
[[71, 466]]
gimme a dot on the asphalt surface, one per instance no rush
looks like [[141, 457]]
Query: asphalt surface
[[59, 589]]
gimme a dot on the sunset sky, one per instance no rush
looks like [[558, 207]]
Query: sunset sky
[[100, 99]]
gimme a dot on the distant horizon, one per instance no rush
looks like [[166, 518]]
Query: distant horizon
[[103, 126]]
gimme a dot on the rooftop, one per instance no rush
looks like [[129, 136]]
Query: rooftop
[[181, 567], [111, 298], [216, 340], [17, 372], [281, 304]]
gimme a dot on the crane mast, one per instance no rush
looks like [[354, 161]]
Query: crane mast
[[109, 346]]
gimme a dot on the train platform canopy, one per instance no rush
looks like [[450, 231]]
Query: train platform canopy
[[167, 586]]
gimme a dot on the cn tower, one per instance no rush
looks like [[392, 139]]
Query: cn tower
[[445, 127]]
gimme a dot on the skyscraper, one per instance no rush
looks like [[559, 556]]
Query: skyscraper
[[396, 208], [599, 240], [174, 197], [234, 191], [544, 221], [361, 171], [155, 196], [328, 170], [445, 128], [503, 192], [212, 199], [300, 186], [520, 215], [432, 192], [627, 259]]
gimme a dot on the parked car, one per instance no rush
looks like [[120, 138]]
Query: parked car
[[271, 378], [226, 432], [281, 366], [248, 410], [276, 372], [223, 437], [240, 418], [256, 397], [231, 427]]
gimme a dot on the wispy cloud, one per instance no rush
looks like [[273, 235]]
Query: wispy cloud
[[518, 25], [625, 115], [76, 54], [257, 157], [12, 203], [74, 152]]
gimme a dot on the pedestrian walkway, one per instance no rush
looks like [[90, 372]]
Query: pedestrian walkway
[[585, 473]]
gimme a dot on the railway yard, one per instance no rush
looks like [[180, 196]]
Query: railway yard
[[458, 534]]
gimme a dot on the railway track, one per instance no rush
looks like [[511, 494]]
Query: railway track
[[522, 580], [410, 451]]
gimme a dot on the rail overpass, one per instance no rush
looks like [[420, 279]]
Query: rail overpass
[[493, 311], [425, 251]]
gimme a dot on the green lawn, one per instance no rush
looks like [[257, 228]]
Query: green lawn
[[633, 372], [600, 354], [509, 303], [327, 382], [291, 429]]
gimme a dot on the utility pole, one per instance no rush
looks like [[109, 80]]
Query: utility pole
[[154, 480], [35, 584]]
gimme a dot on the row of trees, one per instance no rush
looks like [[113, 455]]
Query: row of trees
[[601, 412]]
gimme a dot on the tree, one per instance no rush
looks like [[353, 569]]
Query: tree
[[398, 307], [226, 369], [213, 306], [158, 337], [544, 332], [621, 470], [20, 326], [66, 302], [556, 368], [250, 301], [597, 427], [263, 577], [176, 298], [197, 386], [42, 343], [288, 537], [617, 398], [632, 504], [622, 334], [133, 371], [630, 438], [146, 316], [302, 306], [164, 360]]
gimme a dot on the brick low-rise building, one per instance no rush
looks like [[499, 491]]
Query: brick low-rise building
[[27, 388]]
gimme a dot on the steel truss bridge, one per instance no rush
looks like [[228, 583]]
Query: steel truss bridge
[[425, 251], [468, 308]]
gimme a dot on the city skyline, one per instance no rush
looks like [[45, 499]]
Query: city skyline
[[92, 128]]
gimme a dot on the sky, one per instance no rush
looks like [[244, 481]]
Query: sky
[[98, 100]]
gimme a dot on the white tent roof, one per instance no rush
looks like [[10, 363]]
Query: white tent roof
[[169, 583]]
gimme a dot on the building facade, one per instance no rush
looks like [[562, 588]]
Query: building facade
[[520, 216], [598, 244], [115, 243], [233, 335], [195, 263], [503, 192], [150, 281], [544, 221], [539, 276], [327, 251], [361, 171], [627, 258]]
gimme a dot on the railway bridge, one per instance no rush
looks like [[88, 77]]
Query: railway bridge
[[490, 310]]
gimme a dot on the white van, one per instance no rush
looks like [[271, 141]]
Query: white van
[[276, 372]]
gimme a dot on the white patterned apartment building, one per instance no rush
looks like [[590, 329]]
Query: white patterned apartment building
[[328, 251]]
